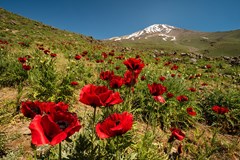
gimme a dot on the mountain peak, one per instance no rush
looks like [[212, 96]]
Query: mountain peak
[[161, 30]]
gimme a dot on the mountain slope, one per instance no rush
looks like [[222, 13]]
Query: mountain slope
[[162, 36]]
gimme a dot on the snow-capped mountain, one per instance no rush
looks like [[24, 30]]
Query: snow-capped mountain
[[157, 30]]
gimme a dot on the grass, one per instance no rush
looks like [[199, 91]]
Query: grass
[[208, 135]]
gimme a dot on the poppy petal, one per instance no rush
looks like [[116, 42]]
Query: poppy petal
[[38, 136]]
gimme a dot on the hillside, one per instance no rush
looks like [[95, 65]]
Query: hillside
[[68, 96], [171, 38], [16, 29]]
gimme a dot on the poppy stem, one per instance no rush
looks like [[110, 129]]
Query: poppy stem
[[60, 152], [170, 148], [117, 153], [93, 125], [19, 94], [35, 153]]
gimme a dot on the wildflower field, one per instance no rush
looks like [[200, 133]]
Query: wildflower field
[[68, 96]]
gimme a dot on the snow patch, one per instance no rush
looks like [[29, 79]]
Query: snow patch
[[150, 31], [165, 37]]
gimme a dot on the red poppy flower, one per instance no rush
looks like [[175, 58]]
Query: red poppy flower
[[132, 89], [134, 64], [22, 43], [99, 61], [104, 55], [41, 48], [129, 78], [117, 67], [190, 77], [173, 75], [77, 57], [22, 59], [46, 51], [220, 110], [111, 53], [177, 133], [169, 95], [198, 75], [182, 98], [192, 89], [74, 83], [143, 78], [50, 107], [116, 81], [167, 63], [53, 128], [119, 57], [31, 109], [191, 112], [208, 66], [159, 99], [156, 89], [53, 55], [114, 125], [26, 67], [84, 53], [174, 67], [106, 75], [99, 96], [162, 78], [3, 42]]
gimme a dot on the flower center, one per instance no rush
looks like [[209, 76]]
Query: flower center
[[36, 110], [62, 124], [117, 122]]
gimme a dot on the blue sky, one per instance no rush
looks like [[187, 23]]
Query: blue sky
[[108, 18]]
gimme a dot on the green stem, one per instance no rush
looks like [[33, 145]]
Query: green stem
[[170, 148], [60, 151], [94, 117], [118, 149], [93, 126], [35, 153], [19, 94]]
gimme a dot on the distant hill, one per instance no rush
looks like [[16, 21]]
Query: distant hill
[[16, 29], [165, 37]]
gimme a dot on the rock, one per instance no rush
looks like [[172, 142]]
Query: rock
[[176, 59], [192, 55], [184, 54], [193, 61], [226, 57], [234, 61], [125, 49]]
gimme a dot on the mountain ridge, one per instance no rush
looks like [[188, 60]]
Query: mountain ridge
[[163, 36], [164, 29]]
